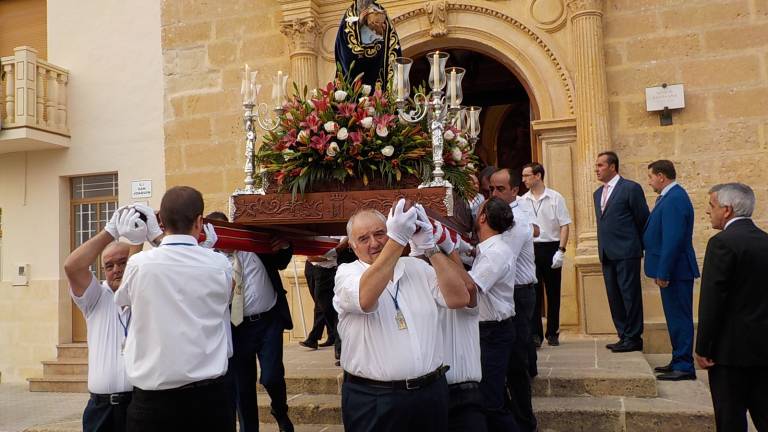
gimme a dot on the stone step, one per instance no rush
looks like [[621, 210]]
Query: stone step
[[59, 384], [72, 350], [65, 366]]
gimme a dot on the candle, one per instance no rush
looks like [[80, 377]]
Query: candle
[[473, 124], [400, 82], [280, 89], [436, 71], [245, 87], [453, 88]]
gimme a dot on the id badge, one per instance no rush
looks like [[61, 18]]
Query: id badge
[[400, 320]]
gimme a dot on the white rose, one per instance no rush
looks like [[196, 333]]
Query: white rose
[[449, 135], [371, 110], [332, 150], [330, 127], [388, 151], [340, 95], [342, 134], [470, 166], [456, 154], [382, 131], [367, 122], [366, 90]]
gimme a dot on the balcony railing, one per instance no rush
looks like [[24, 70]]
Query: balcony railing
[[33, 103]]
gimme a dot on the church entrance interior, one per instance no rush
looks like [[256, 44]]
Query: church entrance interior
[[505, 139]]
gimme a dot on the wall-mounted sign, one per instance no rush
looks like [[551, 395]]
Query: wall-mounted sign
[[141, 189], [665, 96]]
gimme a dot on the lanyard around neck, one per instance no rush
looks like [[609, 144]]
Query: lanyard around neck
[[127, 322], [394, 297]]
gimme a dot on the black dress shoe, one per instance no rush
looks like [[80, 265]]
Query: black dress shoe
[[663, 369], [537, 341], [613, 345], [284, 424], [309, 344], [327, 343], [338, 363], [627, 347], [553, 341], [676, 375]]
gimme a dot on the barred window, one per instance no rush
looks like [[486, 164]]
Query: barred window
[[94, 200]]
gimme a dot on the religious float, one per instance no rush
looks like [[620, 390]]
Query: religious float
[[362, 141]]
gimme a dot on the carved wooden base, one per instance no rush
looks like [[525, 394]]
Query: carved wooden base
[[326, 213]]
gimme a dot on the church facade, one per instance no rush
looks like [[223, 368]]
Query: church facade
[[559, 81]]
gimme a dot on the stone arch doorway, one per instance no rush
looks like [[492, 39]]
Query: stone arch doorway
[[507, 108]]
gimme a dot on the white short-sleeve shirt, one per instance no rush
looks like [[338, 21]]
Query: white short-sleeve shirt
[[374, 346], [107, 326], [550, 213], [259, 294], [520, 239], [461, 344], [494, 273], [179, 296]]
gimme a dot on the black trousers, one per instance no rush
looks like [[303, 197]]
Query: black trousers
[[625, 297], [102, 416], [465, 408], [521, 365], [321, 321], [549, 282], [205, 408], [736, 390], [367, 408], [496, 342]]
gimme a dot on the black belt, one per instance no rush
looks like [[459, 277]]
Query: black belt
[[466, 385], [201, 383], [114, 398], [409, 384], [258, 316], [530, 285], [494, 323]]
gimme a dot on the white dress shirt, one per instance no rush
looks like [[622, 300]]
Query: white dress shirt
[[520, 241], [179, 295], [259, 294], [461, 344], [605, 195], [494, 273], [106, 335], [550, 214], [734, 220], [374, 346]]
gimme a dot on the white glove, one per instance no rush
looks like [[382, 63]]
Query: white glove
[[401, 225], [153, 227], [424, 238], [557, 260], [111, 226], [210, 236], [443, 239], [131, 227]]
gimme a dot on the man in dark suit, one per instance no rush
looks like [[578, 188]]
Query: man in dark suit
[[671, 261], [733, 311], [621, 212]]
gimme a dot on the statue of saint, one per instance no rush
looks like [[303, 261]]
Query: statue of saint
[[367, 38]]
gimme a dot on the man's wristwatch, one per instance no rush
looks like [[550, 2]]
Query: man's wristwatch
[[561, 249], [429, 253]]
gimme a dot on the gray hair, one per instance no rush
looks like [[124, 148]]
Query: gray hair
[[738, 196], [352, 218]]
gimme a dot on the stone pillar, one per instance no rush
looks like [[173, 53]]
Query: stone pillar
[[592, 119], [302, 34]]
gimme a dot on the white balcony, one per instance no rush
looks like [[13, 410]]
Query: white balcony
[[33, 103]]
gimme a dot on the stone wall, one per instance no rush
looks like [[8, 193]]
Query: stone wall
[[719, 51]]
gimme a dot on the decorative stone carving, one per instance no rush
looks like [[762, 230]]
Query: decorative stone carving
[[579, 7], [474, 8], [302, 34], [437, 13], [550, 15]]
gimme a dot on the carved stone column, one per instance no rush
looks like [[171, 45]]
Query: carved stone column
[[302, 34], [592, 119]]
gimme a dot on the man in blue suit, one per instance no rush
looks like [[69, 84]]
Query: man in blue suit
[[621, 212], [671, 262]]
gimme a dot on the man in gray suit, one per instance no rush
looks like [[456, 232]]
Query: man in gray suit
[[621, 212]]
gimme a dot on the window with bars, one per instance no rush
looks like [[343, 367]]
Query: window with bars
[[94, 200]]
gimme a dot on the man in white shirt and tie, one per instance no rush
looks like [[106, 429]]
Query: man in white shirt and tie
[[177, 346], [107, 324], [257, 330], [551, 215], [394, 378]]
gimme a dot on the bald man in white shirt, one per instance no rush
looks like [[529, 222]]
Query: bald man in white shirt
[[388, 306]]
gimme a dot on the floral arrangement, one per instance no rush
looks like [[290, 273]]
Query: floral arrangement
[[349, 130]]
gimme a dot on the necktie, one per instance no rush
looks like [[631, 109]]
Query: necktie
[[237, 296], [604, 198]]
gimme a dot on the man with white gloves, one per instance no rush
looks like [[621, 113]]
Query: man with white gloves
[[551, 215], [393, 359]]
